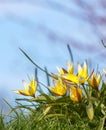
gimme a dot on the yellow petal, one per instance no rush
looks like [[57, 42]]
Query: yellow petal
[[26, 86], [16, 91], [59, 89], [70, 67], [24, 92], [71, 77], [33, 86], [90, 82], [82, 80], [104, 70], [83, 71], [61, 70], [75, 94], [98, 78], [79, 69], [94, 81]]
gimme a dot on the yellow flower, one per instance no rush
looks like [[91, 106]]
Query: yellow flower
[[94, 81], [59, 88], [81, 77], [75, 94], [30, 89]]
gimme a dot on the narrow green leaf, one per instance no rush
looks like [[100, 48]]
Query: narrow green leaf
[[23, 106], [43, 97], [47, 77], [10, 108], [54, 115], [36, 74], [35, 63], [70, 52], [36, 77], [103, 43]]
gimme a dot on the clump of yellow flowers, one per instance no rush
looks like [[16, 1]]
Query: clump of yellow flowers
[[70, 86], [67, 82]]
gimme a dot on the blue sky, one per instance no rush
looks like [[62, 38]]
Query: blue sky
[[28, 26]]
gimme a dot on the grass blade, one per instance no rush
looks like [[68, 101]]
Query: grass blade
[[70, 52], [34, 62], [47, 77]]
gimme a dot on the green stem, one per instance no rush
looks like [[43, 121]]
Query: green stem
[[101, 124]]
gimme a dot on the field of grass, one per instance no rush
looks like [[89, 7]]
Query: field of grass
[[61, 114]]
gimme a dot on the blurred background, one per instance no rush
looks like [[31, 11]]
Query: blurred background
[[43, 28]]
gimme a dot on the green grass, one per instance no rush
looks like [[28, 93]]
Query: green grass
[[69, 116]]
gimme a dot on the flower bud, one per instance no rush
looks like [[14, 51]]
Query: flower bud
[[90, 111]]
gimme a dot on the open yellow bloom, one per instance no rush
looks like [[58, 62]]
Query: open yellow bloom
[[30, 89], [75, 94], [59, 88], [81, 77], [94, 81]]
